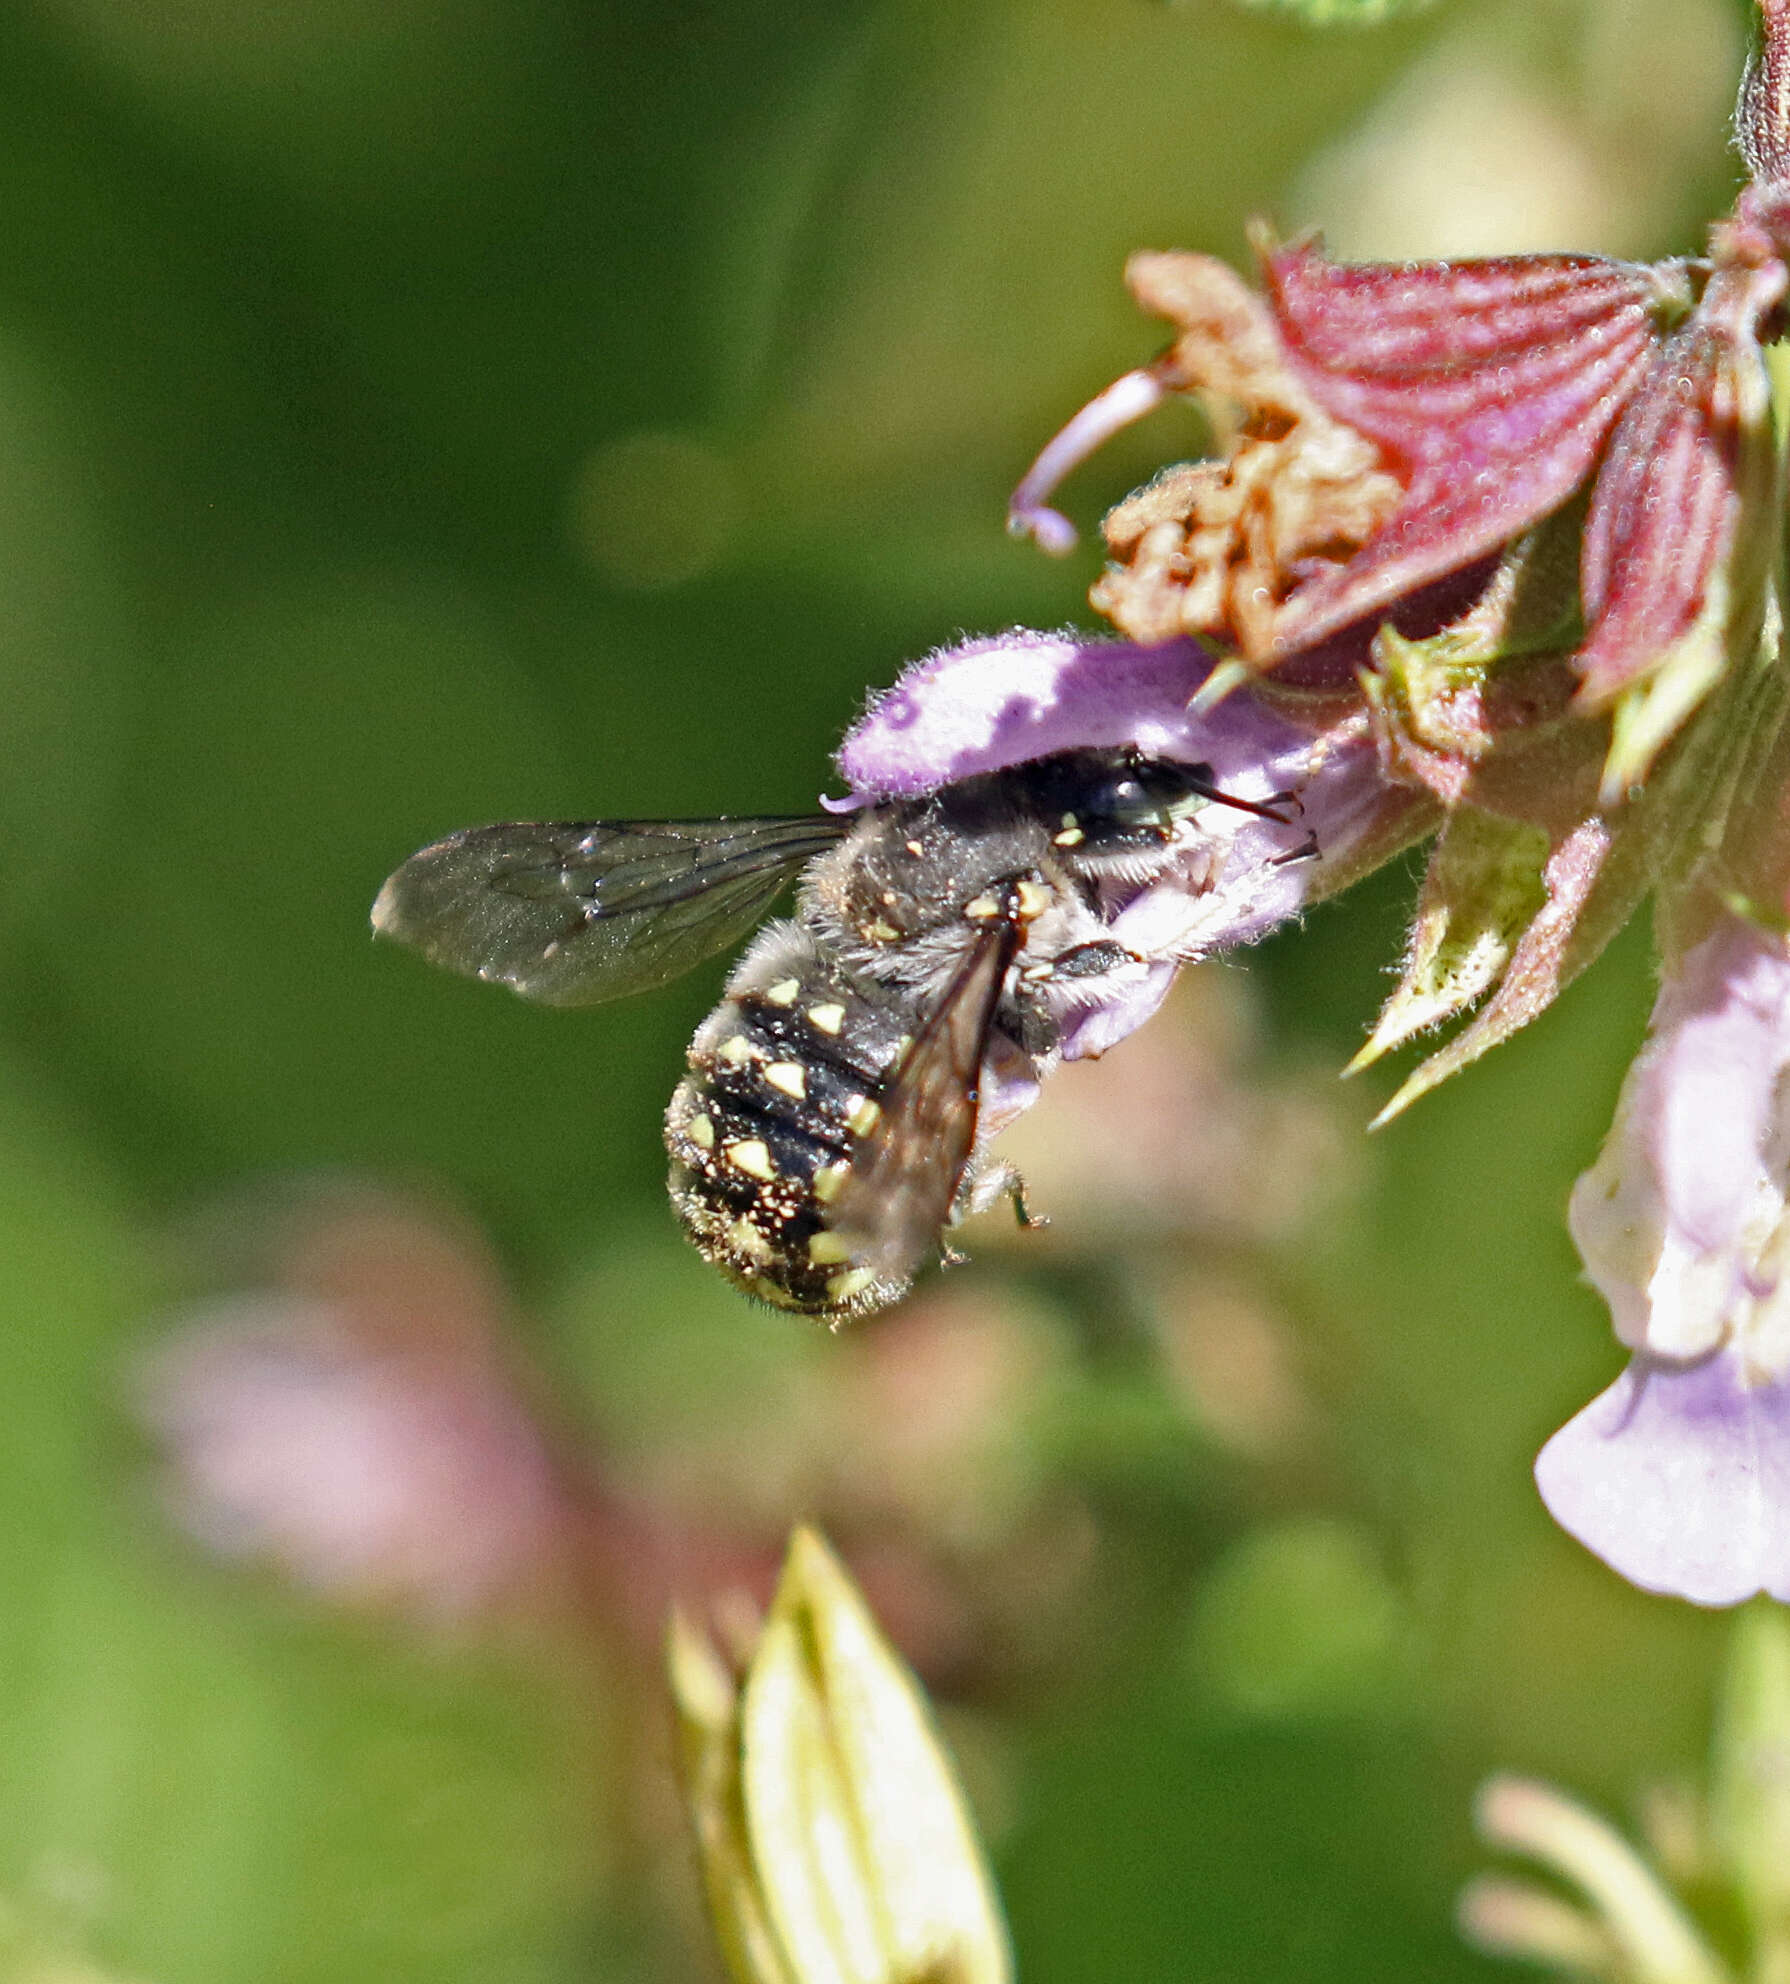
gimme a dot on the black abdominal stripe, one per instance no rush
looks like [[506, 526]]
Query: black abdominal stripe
[[783, 1079]]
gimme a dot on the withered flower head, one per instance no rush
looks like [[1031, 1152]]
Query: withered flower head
[[1399, 430]]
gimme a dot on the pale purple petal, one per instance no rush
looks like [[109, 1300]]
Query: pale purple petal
[[1679, 1478], [1090, 1033], [1722, 1036], [1675, 1219], [1005, 698]]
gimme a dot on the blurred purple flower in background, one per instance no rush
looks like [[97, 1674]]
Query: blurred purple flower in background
[[357, 1416]]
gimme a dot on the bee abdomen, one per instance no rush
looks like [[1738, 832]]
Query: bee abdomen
[[783, 1077]]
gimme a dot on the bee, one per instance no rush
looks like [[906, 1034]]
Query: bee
[[826, 1132]]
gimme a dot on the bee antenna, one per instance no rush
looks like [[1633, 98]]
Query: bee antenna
[[1264, 809]]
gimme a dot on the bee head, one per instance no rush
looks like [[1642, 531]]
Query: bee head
[[1117, 799]]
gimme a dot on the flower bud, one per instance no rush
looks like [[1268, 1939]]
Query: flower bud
[[835, 1843]]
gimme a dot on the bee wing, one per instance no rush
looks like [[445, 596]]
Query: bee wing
[[571, 914], [904, 1171]]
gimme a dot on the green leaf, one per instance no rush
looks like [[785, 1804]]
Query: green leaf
[[1484, 888]]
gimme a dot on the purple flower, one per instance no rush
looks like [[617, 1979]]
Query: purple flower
[[987, 704], [1679, 1475]]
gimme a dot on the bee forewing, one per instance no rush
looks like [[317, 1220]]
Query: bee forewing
[[570, 914], [904, 1170]]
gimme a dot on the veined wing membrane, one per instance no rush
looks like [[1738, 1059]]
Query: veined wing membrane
[[575, 913], [904, 1171]]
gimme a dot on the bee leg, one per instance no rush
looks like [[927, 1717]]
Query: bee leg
[[1084, 961], [949, 1256], [1307, 850], [1029, 1220], [1001, 1181]]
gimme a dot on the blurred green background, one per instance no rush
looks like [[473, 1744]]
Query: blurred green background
[[435, 411]]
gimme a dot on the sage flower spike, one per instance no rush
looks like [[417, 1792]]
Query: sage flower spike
[[1530, 512]]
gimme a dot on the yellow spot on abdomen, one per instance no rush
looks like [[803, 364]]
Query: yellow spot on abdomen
[[863, 1116], [828, 1250], [702, 1132], [785, 992], [828, 1018], [787, 1076], [753, 1156], [829, 1181], [746, 1239]]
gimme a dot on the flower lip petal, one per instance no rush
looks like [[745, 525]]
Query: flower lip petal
[[1000, 701], [987, 704], [1678, 1477], [1092, 1031]]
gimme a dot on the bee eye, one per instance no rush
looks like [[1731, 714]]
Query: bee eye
[[1125, 801]]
